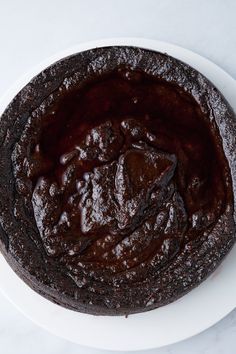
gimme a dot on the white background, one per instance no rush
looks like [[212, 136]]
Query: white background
[[32, 30]]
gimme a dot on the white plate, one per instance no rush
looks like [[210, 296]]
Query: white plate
[[193, 313]]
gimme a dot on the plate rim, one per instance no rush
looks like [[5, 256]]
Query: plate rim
[[10, 279]]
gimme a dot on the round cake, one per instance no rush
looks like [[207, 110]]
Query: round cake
[[117, 180]]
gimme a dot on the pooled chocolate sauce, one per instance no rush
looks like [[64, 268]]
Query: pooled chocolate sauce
[[129, 170]]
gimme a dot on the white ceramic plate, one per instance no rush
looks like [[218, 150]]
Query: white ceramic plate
[[191, 314]]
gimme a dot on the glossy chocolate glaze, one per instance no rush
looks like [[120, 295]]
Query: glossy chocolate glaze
[[126, 170], [117, 196]]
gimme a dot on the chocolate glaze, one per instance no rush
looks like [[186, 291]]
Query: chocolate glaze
[[120, 179]]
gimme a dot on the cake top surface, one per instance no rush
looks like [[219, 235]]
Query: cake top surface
[[121, 180]]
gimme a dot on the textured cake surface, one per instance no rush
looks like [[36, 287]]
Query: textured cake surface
[[117, 184]]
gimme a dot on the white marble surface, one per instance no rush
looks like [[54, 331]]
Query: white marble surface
[[31, 30]]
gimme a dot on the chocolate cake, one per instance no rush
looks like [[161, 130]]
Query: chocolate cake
[[117, 180]]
